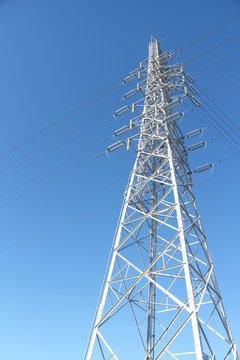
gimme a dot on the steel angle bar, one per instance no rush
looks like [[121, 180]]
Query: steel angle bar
[[164, 215], [207, 342], [191, 255], [193, 243], [135, 319], [139, 244], [172, 257], [112, 313], [222, 317], [191, 216], [169, 326], [186, 353], [128, 301], [172, 283], [205, 287], [173, 337], [155, 154], [193, 224], [198, 271], [114, 292], [229, 352], [158, 220], [170, 275], [125, 228], [144, 274], [173, 356], [214, 331], [101, 349], [133, 219], [108, 347], [159, 181], [144, 184], [118, 273], [124, 279]]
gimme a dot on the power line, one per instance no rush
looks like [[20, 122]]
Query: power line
[[213, 127], [61, 135], [55, 138], [68, 159], [32, 178], [214, 61], [60, 146], [195, 58], [229, 138], [186, 45], [64, 205], [219, 109], [62, 194], [35, 136], [88, 102], [55, 166], [53, 178], [58, 227], [226, 117], [220, 80]]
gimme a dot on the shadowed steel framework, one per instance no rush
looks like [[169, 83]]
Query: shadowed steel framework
[[160, 298]]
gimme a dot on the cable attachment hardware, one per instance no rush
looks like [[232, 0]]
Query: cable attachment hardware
[[128, 143], [203, 168], [129, 78], [189, 78], [130, 94], [194, 133], [173, 54], [197, 146], [174, 117], [192, 89], [130, 124], [173, 104], [195, 101], [122, 111], [121, 131], [115, 146]]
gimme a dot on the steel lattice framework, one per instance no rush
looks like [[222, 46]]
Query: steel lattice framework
[[160, 298]]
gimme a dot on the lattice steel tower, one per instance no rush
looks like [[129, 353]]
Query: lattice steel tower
[[160, 298]]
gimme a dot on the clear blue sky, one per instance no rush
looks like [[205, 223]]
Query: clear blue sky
[[56, 54]]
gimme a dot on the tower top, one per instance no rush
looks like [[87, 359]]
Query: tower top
[[154, 47]]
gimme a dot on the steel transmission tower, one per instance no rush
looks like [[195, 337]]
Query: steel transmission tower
[[160, 298]]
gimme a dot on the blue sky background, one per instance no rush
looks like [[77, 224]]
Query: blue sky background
[[56, 230]]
